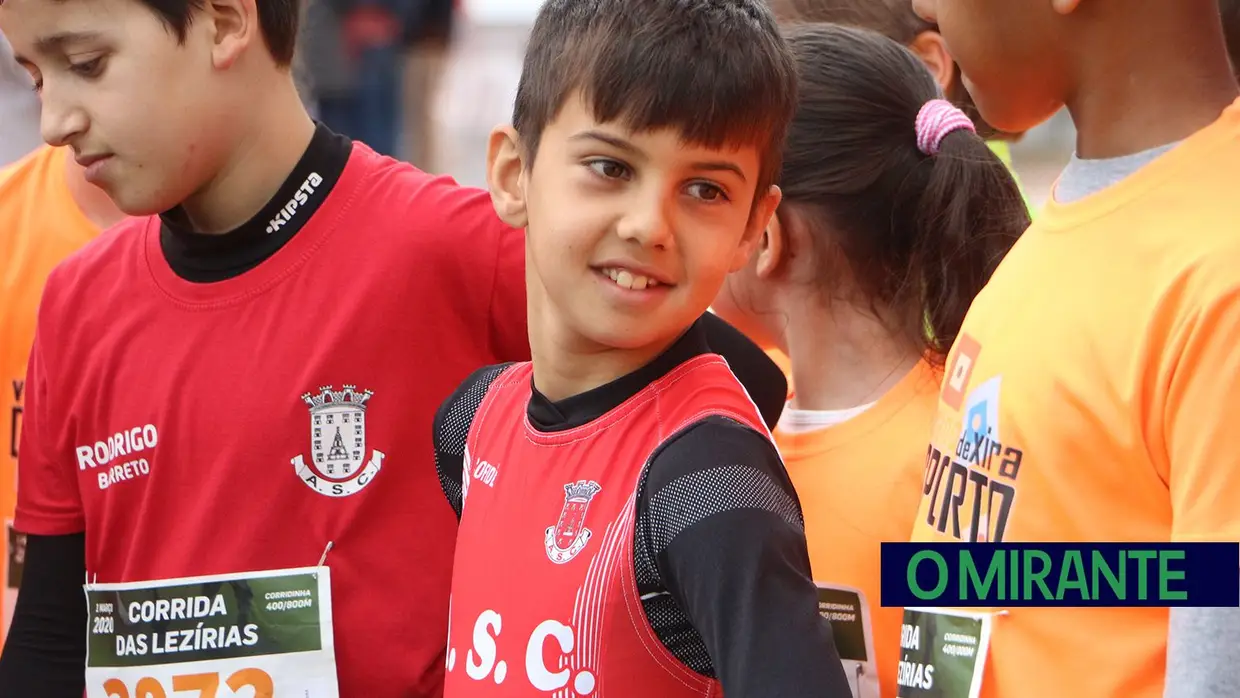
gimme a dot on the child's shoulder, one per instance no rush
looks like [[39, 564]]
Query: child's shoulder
[[430, 212], [95, 280], [400, 187], [461, 406], [108, 255]]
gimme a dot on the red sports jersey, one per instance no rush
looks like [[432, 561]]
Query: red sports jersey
[[543, 595], [194, 429]]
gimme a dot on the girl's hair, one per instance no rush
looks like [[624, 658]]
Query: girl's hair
[[918, 234], [893, 19]]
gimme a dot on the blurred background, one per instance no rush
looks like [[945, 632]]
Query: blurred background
[[480, 78], [426, 80]]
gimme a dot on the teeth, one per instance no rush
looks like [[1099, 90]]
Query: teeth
[[627, 279]]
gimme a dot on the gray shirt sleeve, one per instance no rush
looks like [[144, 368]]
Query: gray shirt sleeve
[[1203, 653]]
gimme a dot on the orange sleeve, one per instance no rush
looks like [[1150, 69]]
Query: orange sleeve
[[48, 500], [1202, 422]]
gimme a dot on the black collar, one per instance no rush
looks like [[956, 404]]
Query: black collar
[[206, 258], [584, 408]]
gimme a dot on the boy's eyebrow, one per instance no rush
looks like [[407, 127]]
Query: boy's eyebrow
[[720, 166], [56, 42], [621, 144], [614, 141]]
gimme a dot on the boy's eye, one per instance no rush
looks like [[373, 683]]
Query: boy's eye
[[706, 191], [88, 69], [608, 169], [36, 79]]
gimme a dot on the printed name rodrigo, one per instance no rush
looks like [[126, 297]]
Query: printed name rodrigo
[[193, 639], [123, 444]]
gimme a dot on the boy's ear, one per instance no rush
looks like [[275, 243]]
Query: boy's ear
[[932, 50], [763, 213], [771, 248], [233, 25], [1065, 7], [506, 176]]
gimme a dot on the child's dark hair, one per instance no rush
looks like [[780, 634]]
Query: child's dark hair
[[1230, 11], [918, 234], [716, 69], [893, 19], [278, 20]]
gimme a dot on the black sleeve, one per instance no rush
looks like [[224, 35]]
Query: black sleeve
[[763, 379], [451, 428], [45, 653], [725, 529]]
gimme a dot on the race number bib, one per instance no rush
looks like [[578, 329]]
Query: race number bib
[[253, 635], [849, 615], [942, 653]]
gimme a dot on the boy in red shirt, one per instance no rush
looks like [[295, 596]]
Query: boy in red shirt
[[627, 527], [232, 380]]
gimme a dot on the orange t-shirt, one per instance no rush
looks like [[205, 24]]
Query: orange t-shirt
[[40, 225], [859, 482], [1098, 377]]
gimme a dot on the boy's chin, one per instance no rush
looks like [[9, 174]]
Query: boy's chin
[[134, 204], [631, 333], [1009, 115], [133, 200]]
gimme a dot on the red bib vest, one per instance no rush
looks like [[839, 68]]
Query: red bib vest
[[544, 598]]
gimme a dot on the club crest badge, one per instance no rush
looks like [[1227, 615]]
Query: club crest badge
[[569, 535], [338, 465]]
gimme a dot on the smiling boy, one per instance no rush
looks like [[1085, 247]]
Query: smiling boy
[[627, 527]]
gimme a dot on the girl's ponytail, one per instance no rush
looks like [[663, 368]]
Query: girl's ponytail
[[909, 210], [969, 215]]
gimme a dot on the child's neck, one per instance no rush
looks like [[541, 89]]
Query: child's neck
[[841, 356], [1151, 82], [261, 161], [567, 364]]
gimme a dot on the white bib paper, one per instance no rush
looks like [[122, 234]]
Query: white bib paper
[[849, 614], [942, 653], [252, 635]]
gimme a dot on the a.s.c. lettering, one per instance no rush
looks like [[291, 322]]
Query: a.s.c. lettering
[[483, 662]]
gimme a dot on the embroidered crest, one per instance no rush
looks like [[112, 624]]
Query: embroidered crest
[[569, 535], [338, 465]]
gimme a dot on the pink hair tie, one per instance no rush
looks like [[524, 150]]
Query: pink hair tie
[[937, 118]]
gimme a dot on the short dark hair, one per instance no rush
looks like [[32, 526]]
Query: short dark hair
[[1230, 11], [278, 20], [716, 69], [919, 235], [893, 19]]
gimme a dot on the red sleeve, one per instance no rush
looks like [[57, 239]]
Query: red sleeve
[[48, 500], [480, 258], [510, 340]]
